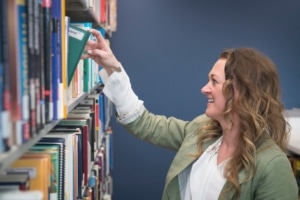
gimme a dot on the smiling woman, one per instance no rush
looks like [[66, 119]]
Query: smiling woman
[[234, 151]]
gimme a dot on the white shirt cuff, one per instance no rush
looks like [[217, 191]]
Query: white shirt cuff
[[117, 88]]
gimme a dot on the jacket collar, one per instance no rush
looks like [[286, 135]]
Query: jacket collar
[[185, 157]]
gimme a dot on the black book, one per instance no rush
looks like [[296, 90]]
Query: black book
[[47, 34], [39, 51], [31, 67]]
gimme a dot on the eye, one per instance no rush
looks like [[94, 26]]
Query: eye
[[214, 82]]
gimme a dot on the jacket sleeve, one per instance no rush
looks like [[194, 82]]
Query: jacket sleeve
[[277, 181], [162, 131]]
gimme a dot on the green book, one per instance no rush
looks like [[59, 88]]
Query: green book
[[78, 38]]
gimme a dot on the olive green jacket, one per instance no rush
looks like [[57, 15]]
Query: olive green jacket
[[274, 179]]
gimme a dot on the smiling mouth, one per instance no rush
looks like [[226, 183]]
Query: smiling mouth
[[211, 101]]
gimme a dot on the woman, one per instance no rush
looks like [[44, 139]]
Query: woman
[[236, 150]]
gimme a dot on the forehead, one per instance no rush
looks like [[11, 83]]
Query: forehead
[[218, 68]]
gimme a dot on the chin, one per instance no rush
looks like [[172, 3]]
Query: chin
[[210, 115]]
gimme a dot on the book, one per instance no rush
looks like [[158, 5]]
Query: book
[[18, 73], [53, 150], [31, 67], [98, 135], [103, 12], [86, 148], [61, 172], [23, 66], [38, 168], [21, 195], [78, 38], [64, 47], [14, 182], [78, 153], [47, 42], [112, 17], [89, 105], [86, 64], [6, 97], [69, 160], [40, 71], [56, 59], [1, 79]]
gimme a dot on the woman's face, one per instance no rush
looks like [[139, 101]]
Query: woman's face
[[213, 91]]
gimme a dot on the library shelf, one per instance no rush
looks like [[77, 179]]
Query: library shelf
[[7, 158]]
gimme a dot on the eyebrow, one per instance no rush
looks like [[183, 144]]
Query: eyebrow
[[213, 75]]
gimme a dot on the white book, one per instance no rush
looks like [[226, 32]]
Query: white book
[[21, 195]]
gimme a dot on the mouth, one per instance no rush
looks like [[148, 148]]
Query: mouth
[[210, 100]]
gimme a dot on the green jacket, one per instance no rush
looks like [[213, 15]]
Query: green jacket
[[274, 179]]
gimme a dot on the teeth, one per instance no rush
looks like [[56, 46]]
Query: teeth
[[211, 100]]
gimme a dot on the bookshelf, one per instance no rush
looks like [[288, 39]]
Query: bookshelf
[[74, 7], [7, 158], [78, 11]]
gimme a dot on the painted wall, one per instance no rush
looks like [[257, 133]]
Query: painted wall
[[168, 47]]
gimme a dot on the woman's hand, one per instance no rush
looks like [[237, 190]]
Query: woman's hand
[[101, 53]]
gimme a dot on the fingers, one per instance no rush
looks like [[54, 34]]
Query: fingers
[[90, 45], [84, 56], [100, 40]]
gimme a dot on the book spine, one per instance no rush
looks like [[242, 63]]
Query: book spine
[[23, 67], [1, 78], [40, 54], [46, 4], [31, 66], [86, 72], [6, 103], [102, 111], [65, 21], [103, 12], [1, 84], [55, 58]]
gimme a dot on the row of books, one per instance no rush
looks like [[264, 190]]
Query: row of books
[[35, 67], [73, 161], [104, 11]]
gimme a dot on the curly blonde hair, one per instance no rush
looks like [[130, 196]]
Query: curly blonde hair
[[258, 107]]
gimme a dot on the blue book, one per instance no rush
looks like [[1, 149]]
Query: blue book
[[56, 57], [102, 111], [23, 67]]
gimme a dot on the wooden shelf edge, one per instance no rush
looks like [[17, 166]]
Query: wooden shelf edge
[[7, 158]]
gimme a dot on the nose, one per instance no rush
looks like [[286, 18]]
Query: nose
[[205, 89]]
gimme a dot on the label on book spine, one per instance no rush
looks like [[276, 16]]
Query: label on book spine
[[75, 34]]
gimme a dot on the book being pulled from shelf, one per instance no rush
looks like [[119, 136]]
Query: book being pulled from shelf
[[78, 38]]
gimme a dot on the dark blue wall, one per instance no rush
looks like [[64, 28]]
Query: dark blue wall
[[168, 47]]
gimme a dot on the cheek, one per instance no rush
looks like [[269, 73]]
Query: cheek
[[221, 101]]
